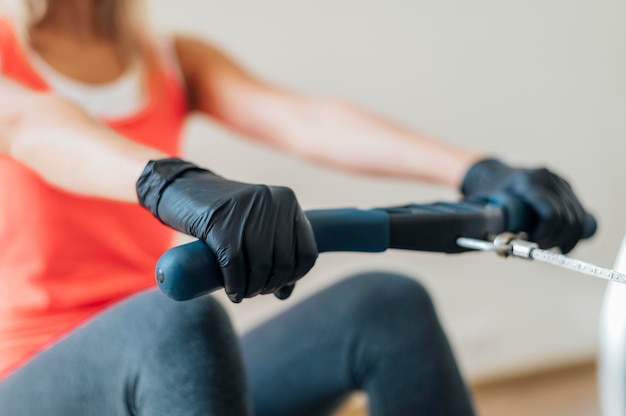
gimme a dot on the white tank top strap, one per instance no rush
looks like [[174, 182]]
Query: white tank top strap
[[118, 99]]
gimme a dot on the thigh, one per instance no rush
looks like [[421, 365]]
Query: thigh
[[376, 332], [145, 356]]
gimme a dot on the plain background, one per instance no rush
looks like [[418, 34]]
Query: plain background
[[535, 82]]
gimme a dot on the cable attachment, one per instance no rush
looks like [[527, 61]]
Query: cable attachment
[[508, 244]]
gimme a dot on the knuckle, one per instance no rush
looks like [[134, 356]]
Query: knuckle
[[544, 172], [283, 193], [261, 190], [222, 254], [228, 255], [254, 194]]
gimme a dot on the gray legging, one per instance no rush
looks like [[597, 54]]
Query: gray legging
[[148, 355]]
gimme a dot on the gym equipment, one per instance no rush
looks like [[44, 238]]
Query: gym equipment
[[495, 224]]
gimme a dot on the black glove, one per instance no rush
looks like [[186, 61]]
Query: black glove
[[259, 235], [559, 215]]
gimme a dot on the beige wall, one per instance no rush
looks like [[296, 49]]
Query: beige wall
[[538, 82]]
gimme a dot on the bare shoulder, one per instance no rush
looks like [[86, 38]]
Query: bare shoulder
[[214, 80], [191, 51], [189, 44], [200, 57]]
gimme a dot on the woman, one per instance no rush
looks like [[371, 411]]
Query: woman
[[91, 108]]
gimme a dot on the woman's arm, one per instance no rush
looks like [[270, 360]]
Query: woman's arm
[[324, 130], [67, 147], [76, 153]]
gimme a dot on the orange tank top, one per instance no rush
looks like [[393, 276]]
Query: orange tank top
[[64, 257]]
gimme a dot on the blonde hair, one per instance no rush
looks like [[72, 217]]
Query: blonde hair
[[118, 20]]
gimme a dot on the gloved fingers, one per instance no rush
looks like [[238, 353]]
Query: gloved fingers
[[295, 257], [575, 220], [571, 212], [284, 256], [261, 232], [560, 216], [232, 263], [542, 191], [550, 220], [578, 211], [485, 176], [259, 272], [284, 248], [306, 247], [285, 291], [558, 222]]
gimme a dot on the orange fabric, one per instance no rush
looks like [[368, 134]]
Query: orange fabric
[[64, 257]]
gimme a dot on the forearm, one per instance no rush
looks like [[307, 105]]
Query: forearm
[[67, 148], [348, 137], [327, 131]]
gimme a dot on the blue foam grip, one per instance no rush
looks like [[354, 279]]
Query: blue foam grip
[[191, 270], [188, 271], [350, 229]]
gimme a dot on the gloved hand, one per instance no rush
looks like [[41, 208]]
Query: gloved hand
[[560, 216], [259, 235]]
